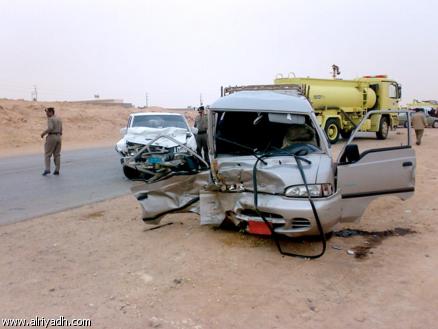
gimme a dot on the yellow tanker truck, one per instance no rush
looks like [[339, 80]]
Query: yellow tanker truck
[[341, 104]]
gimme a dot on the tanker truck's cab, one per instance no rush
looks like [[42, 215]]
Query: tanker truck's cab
[[340, 105]]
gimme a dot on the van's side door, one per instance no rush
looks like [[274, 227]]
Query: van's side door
[[362, 177]]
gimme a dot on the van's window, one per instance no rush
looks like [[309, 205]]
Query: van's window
[[254, 131], [159, 121], [367, 141]]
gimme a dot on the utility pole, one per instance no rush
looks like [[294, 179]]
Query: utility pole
[[147, 100], [34, 94], [335, 71], [200, 99]]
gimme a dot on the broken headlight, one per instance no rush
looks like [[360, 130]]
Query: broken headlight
[[316, 191]]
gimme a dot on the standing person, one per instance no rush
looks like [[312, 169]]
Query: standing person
[[201, 138], [419, 122], [53, 141]]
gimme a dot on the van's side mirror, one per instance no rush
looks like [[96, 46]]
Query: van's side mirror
[[194, 130], [351, 154], [123, 131]]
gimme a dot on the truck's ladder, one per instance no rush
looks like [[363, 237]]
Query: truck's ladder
[[282, 87], [364, 98]]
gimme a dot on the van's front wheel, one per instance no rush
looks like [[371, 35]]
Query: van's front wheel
[[131, 173], [332, 130], [383, 129]]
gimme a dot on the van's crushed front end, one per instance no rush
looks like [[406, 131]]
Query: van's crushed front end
[[280, 197]]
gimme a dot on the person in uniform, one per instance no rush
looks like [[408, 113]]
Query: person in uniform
[[53, 141], [201, 124], [419, 122]]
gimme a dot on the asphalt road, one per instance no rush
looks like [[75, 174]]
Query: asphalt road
[[87, 176]]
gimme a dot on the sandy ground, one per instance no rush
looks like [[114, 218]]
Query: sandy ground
[[84, 125], [100, 262]]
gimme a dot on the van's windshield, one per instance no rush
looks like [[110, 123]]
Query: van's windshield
[[242, 133]]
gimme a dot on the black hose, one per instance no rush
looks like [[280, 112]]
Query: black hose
[[274, 234]]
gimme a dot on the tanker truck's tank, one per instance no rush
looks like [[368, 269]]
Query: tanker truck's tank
[[341, 97], [325, 93]]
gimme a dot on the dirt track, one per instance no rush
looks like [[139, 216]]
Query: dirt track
[[98, 262]]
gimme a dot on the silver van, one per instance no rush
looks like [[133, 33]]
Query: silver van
[[271, 170]]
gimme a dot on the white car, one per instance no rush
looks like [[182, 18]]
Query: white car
[[164, 132]]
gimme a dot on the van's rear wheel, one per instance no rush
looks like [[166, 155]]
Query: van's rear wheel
[[383, 129], [332, 130]]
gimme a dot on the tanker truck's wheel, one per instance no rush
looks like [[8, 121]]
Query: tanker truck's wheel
[[346, 134], [332, 130], [383, 129], [406, 124]]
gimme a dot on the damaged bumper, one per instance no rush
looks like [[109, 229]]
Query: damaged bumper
[[176, 194], [291, 217]]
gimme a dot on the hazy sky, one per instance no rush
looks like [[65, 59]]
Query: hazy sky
[[175, 50]]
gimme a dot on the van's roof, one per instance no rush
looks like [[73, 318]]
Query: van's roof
[[155, 113], [263, 101]]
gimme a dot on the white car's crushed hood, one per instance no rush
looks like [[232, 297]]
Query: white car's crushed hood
[[144, 135]]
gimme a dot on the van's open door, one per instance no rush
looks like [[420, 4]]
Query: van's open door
[[362, 177]]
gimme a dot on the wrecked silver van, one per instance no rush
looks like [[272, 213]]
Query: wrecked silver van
[[272, 171]]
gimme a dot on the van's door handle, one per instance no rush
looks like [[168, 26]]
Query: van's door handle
[[407, 164]]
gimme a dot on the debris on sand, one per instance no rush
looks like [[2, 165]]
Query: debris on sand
[[373, 239], [157, 227]]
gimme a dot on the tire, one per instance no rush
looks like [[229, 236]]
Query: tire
[[406, 124], [332, 130], [435, 124], [130, 173], [346, 134], [383, 129]]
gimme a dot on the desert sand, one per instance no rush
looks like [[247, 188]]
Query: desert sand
[[101, 262]]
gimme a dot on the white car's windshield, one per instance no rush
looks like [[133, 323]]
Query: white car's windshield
[[159, 121]]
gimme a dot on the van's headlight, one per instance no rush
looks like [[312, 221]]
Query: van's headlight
[[316, 191]]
